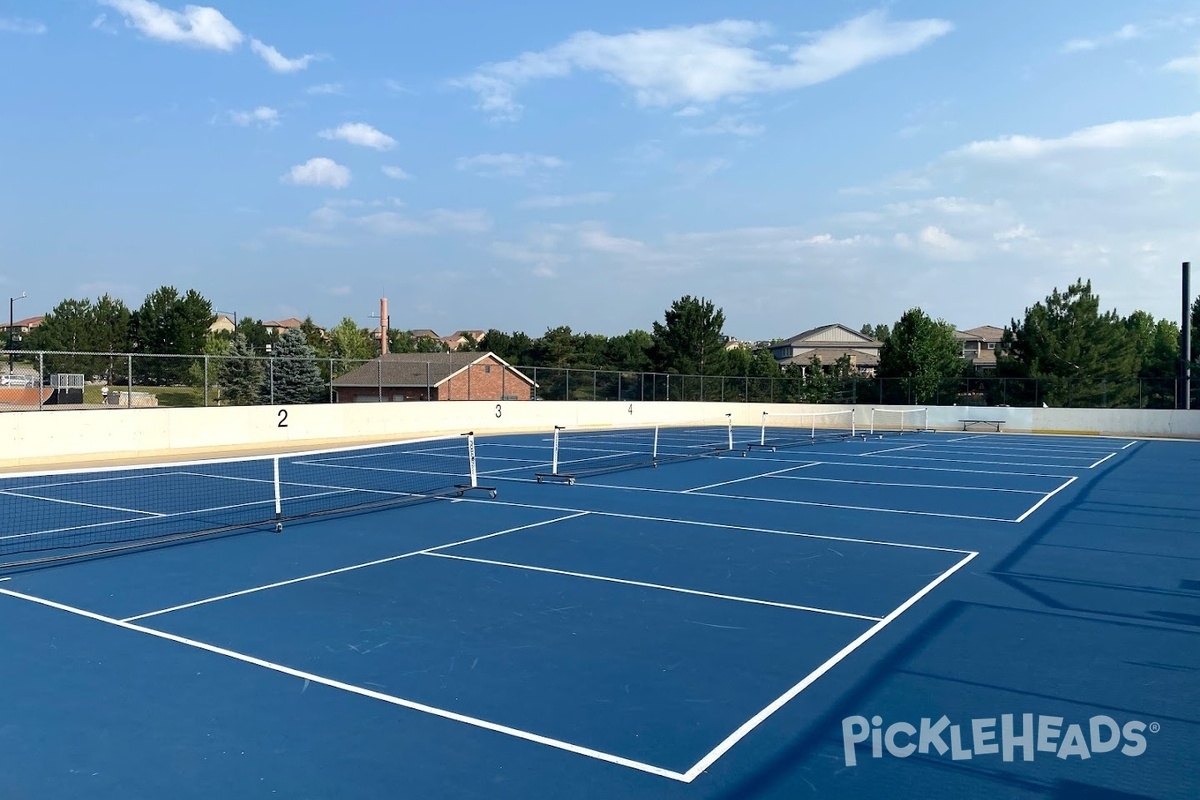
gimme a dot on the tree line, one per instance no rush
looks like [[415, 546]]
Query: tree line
[[1065, 349]]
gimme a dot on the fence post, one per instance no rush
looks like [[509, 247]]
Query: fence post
[[331, 379], [129, 380], [206, 381], [568, 387], [593, 386], [41, 379], [428, 382]]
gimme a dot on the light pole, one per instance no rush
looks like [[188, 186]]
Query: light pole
[[11, 325]]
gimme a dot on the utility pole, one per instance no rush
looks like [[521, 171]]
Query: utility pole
[[1185, 342], [11, 325]]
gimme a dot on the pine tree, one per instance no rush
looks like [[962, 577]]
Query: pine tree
[[240, 374], [921, 359], [292, 373]]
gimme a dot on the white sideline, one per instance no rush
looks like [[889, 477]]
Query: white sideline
[[1043, 501], [358, 690], [779, 702]]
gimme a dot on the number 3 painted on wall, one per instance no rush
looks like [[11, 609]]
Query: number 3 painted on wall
[[498, 411]]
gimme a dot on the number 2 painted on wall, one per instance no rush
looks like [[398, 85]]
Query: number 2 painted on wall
[[282, 418]]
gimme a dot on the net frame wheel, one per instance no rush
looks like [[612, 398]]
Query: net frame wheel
[[570, 481], [279, 527], [492, 494]]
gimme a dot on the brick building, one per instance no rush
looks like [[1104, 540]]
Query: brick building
[[433, 376]]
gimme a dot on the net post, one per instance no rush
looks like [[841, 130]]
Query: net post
[[762, 438], [853, 425], [278, 494], [729, 420], [873, 421], [654, 451], [471, 458], [554, 459]]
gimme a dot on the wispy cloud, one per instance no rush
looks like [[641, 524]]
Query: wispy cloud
[[1123, 34], [728, 125], [693, 173], [324, 88], [507, 165], [199, 26], [1112, 135], [30, 27], [1186, 64], [395, 173], [319, 172], [336, 223], [703, 64], [361, 134], [566, 200], [1131, 32], [263, 117], [277, 61]]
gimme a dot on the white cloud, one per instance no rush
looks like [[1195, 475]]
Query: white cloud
[[199, 26], [324, 88], [361, 134], [1123, 34], [1112, 135], [277, 61], [1186, 64], [263, 116], [566, 200], [1012, 234], [319, 172], [29, 27], [703, 64], [1131, 32], [467, 221], [729, 125], [395, 173], [339, 291], [507, 165], [693, 173]]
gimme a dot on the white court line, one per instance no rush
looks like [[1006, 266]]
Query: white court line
[[865, 465], [327, 573], [12, 493], [358, 690], [893, 450], [1131, 444], [779, 702], [994, 463], [1049, 450], [907, 485], [967, 438], [811, 503], [1101, 461], [1042, 502], [992, 451], [750, 477], [663, 587], [721, 526]]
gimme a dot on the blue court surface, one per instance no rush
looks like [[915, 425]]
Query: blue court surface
[[933, 615]]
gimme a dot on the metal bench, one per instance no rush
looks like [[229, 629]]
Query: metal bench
[[992, 423]]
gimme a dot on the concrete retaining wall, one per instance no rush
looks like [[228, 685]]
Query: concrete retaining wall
[[81, 437]]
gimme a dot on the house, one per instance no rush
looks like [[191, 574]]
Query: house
[[979, 345], [829, 343], [433, 376], [279, 327], [23, 326], [459, 338], [222, 324]]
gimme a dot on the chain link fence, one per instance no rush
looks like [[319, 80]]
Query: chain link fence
[[49, 380]]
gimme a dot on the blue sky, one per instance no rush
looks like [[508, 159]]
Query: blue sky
[[533, 164]]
